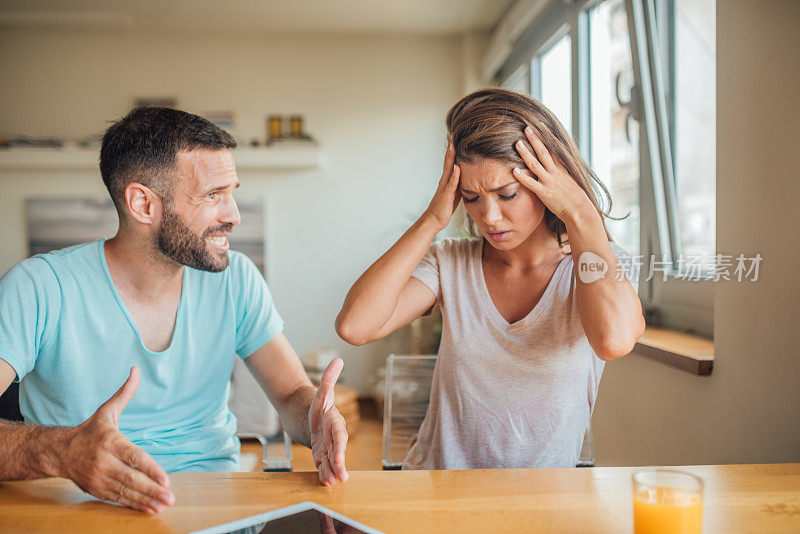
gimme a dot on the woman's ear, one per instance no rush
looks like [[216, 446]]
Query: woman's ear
[[142, 204]]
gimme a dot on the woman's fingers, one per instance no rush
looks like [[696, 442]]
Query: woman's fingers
[[440, 210], [447, 170], [449, 159], [455, 177], [526, 178], [530, 160], [541, 151], [452, 187]]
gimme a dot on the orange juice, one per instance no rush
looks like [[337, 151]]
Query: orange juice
[[667, 510]]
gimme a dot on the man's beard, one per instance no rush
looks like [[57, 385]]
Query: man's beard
[[177, 242]]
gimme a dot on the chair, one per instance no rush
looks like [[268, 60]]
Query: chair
[[280, 460], [9, 403], [257, 419], [587, 451], [408, 391], [406, 398]]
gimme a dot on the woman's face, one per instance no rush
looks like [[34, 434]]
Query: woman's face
[[505, 211]]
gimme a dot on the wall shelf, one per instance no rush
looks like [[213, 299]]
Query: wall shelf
[[247, 159]]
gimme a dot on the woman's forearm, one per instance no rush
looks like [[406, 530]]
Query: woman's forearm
[[609, 308], [373, 298]]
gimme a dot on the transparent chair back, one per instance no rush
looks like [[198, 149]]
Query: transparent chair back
[[277, 451], [587, 451], [408, 392], [256, 418], [407, 395]]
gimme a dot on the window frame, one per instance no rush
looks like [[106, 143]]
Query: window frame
[[536, 67], [676, 302]]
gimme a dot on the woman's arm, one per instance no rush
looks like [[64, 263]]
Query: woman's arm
[[386, 296], [610, 311], [609, 308]]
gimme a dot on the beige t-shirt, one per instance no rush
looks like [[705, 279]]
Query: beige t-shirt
[[504, 395]]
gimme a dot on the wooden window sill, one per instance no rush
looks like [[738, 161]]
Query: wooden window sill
[[684, 351]]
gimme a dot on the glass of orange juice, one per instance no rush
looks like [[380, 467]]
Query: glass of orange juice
[[667, 501]]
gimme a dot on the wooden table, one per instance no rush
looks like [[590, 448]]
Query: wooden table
[[738, 498]]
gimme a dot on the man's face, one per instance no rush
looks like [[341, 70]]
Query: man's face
[[195, 224]]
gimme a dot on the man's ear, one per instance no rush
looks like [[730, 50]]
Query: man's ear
[[142, 203]]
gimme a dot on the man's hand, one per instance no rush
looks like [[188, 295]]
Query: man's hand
[[102, 462], [328, 430]]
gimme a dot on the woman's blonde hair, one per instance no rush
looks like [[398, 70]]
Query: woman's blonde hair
[[485, 124]]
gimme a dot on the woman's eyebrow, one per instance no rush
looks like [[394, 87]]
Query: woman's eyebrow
[[496, 189]]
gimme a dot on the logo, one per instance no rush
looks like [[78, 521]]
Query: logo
[[591, 267]]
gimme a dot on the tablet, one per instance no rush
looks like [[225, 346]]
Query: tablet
[[305, 517]]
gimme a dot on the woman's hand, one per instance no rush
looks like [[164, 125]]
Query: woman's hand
[[447, 196], [548, 179]]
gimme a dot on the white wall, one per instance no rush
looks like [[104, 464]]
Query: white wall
[[376, 104], [747, 410]]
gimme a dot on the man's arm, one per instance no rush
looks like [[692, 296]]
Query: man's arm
[[278, 370], [308, 414], [95, 455], [24, 449]]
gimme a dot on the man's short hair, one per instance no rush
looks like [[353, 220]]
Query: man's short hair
[[143, 146]]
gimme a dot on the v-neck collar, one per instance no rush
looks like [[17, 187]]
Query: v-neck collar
[[488, 303], [129, 317]]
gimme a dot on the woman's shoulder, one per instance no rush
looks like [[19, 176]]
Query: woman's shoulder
[[455, 247]]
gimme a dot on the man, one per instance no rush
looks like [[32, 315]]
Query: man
[[165, 304]]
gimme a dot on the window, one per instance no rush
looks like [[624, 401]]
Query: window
[[694, 123], [614, 131], [555, 81], [633, 81], [518, 80]]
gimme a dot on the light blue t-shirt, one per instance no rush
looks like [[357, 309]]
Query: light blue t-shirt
[[72, 342]]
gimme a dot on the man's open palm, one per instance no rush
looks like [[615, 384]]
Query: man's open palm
[[328, 429], [104, 463]]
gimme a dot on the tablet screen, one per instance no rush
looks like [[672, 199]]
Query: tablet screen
[[305, 522], [304, 518]]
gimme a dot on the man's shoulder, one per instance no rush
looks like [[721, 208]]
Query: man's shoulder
[[75, 256], [240, 260], [240, 265], [50, 266], [75, 264]]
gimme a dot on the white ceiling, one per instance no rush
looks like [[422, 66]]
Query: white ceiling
[[277, 16]]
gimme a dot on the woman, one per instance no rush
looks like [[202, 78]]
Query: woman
[[526, 329]]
